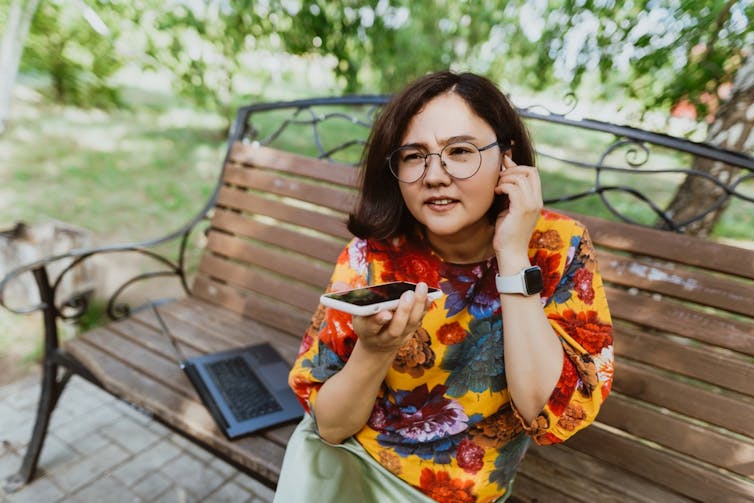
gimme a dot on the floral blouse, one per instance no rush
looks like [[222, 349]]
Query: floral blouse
[[444, 421]]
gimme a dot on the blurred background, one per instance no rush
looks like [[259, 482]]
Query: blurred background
[[114, 113]]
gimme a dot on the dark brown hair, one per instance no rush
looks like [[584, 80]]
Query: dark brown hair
[[381, 212]]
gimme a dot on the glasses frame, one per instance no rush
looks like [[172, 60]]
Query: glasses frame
[[426, 156]]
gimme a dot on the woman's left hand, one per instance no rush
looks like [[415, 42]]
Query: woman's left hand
[[515, 225]]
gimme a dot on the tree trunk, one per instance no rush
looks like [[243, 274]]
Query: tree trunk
[[11, 48], [733, 129]]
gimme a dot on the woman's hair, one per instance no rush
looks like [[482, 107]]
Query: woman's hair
[[381, 212]]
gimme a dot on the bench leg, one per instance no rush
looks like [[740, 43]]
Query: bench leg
[[51, 389]]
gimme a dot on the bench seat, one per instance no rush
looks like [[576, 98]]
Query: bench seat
[[134, 361]]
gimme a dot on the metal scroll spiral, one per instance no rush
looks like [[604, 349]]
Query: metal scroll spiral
[[570, 102], [308, 116]]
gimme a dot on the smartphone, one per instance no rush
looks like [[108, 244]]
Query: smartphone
[[372, 299]]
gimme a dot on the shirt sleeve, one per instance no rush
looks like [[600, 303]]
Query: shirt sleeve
[[577, 309], [329, 339]]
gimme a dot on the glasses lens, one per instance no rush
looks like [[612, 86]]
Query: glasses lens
[[407, 164], [461, 160]]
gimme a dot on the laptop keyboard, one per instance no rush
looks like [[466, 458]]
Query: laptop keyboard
[[244, 392]]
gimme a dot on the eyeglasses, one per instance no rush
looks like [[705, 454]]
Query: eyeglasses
[[460, 160]]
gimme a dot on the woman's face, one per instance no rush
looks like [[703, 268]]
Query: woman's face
[[452, 210]]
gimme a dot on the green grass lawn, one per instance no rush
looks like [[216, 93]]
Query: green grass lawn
[[125, 175]]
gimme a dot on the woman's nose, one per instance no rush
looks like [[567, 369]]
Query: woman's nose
[[435, 169]]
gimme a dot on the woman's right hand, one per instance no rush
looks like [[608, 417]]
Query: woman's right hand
[[346, 400], [387, 331]]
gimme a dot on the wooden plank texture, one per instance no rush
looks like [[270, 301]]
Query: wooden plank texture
[[275, 314], [283, 289], [668, 245], [676, 432], [259, 155], [287, 239], [298, 189], [727, 410], [667, 315], [569, 471], [316, 273], [693, 286], [698, 361], [695, 480], [328, 223]]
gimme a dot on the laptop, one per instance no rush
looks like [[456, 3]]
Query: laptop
[[244, 389]]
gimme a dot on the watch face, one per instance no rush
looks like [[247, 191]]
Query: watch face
[[533, 280]]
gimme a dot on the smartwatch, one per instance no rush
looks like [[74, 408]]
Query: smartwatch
[[527, 282]]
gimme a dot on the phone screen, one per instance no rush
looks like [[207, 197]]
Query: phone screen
[[373, 294]]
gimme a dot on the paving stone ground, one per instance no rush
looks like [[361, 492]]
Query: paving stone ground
[[100, 449]]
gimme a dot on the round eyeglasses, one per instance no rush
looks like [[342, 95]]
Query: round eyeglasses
[[460, 160]]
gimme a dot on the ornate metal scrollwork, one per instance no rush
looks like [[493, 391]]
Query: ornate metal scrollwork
[[611, 180]]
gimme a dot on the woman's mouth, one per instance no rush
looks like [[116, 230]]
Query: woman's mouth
[[441, 203]]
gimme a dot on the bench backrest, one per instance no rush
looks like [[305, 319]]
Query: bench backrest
[[277, 229], [683, 397], [682, 408]]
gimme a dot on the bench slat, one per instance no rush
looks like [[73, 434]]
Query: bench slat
[[728, 410], [160, 366], [530, 490], [333, 224], [315, 273], [664, 428], [287, 239], [564, 472], [666, 245], [285, 317], [680, 474], [193, 319], [695, 360], [695, 286], [255, 281], [299, 189], [258, 155], [673, 317]]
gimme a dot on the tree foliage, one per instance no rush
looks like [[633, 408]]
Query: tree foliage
[[202, 44], [76, 49], [660, 51]]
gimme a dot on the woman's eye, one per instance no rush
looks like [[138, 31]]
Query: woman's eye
[[459, 150], [412, 157]]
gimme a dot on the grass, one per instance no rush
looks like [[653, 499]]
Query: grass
[[124, 176]]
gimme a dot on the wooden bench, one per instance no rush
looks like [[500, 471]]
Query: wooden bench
[[678, 426]]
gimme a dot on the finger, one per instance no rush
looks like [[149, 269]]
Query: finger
[[402, 313], [420, 304], [508, 163], [411, 309], [368, 326], [523, 190]]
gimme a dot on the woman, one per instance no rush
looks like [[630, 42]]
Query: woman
[[439, 401]]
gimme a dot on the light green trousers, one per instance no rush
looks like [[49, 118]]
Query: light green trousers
[[314, 470]]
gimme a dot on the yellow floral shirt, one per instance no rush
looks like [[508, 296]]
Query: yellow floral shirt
[[444, 421]]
